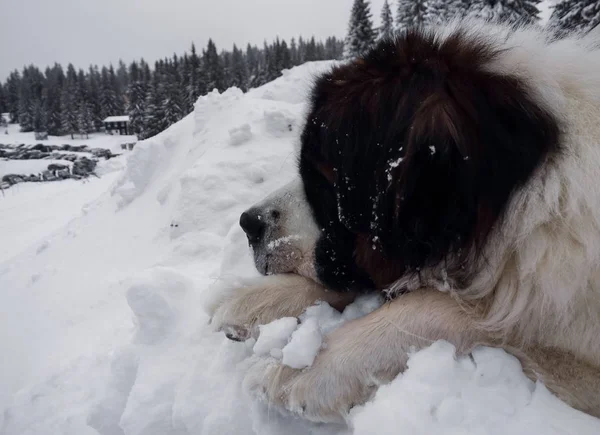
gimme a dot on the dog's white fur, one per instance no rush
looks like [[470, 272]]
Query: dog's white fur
[[537, 290]]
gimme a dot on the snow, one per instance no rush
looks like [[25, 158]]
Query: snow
[[304, 345], [102, 284], [122, 118], [274, 335]]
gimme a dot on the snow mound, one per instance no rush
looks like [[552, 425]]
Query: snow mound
[[488, 394], [101, 315]]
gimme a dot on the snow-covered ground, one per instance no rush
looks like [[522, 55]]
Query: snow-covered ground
[[102, 329]]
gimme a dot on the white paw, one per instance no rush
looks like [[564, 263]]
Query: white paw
[[325, 392]]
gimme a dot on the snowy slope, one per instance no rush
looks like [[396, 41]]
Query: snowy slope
[[101, 324]]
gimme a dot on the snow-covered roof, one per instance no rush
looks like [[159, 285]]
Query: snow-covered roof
[[123, 118]]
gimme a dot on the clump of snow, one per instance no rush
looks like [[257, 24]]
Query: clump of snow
[[298, 345], [274, 335], [304, 345], [279, 123], [239, 135], [103, 330]]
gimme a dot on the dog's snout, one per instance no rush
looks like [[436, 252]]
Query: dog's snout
[[253, 225]]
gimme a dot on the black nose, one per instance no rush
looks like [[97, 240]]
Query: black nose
[[253, 226]]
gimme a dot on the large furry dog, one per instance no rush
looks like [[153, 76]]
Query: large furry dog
[[458, 171]]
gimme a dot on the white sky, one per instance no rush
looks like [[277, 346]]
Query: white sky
[[41, 32]]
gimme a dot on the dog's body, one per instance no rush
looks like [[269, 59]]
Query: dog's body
[[457, 171]]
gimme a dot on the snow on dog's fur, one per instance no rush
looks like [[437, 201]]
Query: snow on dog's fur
[[456, 170]]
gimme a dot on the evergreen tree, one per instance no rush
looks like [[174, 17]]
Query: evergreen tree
[[3, 104], [213, 68], [252, 63], [195, 83], [361, 35], [411, 13], [136, 96], [69, 103], [508, 11], [239, 70], [38, 121], [55, 78], [13, 84], [94, 102], [154, 115], [31, 89], [441, 11], [386, 30], [85, 120], [172, 105], [575, 16], [310, 51], [108, 97]]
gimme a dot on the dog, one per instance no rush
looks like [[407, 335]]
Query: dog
[[455, 170]]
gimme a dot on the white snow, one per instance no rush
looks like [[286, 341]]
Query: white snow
[[120, 118], [274, 335], [101, 325], [239, 135], [304, 345]]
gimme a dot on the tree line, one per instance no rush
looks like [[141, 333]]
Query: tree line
[[77, 101], [567, 16]]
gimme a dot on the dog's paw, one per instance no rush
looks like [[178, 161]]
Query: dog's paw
[[260, 301], [325, 392]]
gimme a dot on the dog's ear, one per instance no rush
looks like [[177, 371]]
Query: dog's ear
[[472, 141]]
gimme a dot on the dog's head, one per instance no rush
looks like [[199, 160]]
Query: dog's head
[[409, 158]]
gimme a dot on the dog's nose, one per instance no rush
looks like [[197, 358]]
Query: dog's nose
[[253, 225]]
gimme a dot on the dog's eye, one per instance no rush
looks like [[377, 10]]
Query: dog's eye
[[275, 214]]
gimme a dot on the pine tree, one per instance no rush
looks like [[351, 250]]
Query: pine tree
[[95, 105], [154, 115], [507, 11], [310, 51], [386, 30], [3, 104], [55, 78], [213, 68], [195, 85], [575, 16], [136, 96], [239, 69], [108, 97], [172, 105], [69, 103], [85, 121], [441, 11], [30, 93], [13, 84], [411, 13], [39, 118], [361, 35]]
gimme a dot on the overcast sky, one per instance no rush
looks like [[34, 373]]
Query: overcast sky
[[83, 32]]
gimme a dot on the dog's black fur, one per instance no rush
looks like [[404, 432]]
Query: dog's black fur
[[410, 154]]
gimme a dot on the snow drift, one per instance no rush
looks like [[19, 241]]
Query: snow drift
[[102, 329]]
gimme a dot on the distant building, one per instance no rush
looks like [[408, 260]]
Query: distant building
[[117, 125]]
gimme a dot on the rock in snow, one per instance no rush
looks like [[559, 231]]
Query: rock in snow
[[102, 327]]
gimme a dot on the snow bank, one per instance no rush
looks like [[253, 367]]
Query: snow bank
[[102, 323]]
